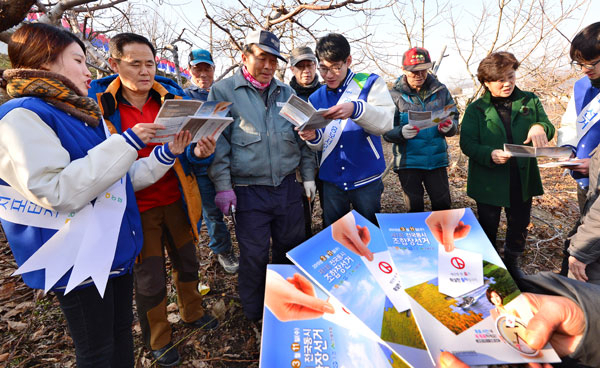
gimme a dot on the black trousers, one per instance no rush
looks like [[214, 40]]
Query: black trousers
[[517, 219], [101, 327], [268, 219], [436, 184]]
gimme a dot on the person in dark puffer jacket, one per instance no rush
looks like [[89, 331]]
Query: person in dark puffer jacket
[[421, 157]]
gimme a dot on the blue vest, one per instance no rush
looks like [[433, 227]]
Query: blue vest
[[77, 138], [357, 159], [584, 93]]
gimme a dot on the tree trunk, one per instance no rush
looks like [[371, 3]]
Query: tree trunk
[[13, 12]]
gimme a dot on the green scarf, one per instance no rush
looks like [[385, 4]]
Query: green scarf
[[53, 88]]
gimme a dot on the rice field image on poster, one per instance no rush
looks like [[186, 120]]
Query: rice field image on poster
[[351, 262], [298, 333], [463, 299]]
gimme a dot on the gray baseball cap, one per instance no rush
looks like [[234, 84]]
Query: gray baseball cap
[[302, 53], [266, 41]]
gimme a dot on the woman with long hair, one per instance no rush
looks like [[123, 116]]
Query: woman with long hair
[[67, 202]]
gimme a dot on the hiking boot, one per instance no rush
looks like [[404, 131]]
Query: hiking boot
[[206, 322], [229, 261], [511, 261], [167, 356]]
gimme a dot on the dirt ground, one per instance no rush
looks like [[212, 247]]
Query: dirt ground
[[33, 332]]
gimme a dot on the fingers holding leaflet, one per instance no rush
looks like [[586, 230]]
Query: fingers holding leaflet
[[146, 131], [557, 320], [181, 140]]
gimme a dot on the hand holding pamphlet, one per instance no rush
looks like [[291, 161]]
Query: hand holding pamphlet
[[427, 119], [303, 115], [201, 119]]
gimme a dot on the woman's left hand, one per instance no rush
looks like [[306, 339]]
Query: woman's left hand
[[182, 139], [537, 136]]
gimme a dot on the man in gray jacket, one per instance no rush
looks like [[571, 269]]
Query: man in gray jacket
[[255, 164]]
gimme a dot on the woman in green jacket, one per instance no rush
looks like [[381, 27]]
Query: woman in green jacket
[[504, 114]]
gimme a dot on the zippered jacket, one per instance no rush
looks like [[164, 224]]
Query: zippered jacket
[[259, 147], [428, 150]]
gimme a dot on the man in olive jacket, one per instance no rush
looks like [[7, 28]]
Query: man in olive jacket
[[254, 170]]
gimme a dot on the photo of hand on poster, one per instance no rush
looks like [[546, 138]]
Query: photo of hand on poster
[[446, 227], [354, 237], [294, 299]]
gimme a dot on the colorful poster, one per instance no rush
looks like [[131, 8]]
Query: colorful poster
[[304, 327], [476, 313], [351, 262]]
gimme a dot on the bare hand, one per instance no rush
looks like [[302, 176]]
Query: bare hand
[[500, 157], [577, 269], [584, 166], [205, 147], [537, 135], [556, 319], [307, 135], [182, 139], [341, 111], [293, 299], [146, 131], [446, 227], [352, 236]]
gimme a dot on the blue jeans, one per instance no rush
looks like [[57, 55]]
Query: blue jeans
[[366, 200], [220, 240], [101, 327]]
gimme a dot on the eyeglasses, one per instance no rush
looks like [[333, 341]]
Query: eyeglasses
[[334, 69], [577, 65], [302, 66]]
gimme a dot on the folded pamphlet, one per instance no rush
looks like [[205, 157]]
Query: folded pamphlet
[[200, 118], [427, 119], [518, 150], [303, 115]]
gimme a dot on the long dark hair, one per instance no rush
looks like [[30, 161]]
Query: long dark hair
[[36, 44]]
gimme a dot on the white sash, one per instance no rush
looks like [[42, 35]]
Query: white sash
[[334, 130], [588, 117], [86, 240]]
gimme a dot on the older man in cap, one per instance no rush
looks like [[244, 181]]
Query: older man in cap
[[420, 156], [202, 68], [303, 64], [254, 170]]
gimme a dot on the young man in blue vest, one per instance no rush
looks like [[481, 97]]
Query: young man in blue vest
[[580, 129], [352, 157], [202, 68]]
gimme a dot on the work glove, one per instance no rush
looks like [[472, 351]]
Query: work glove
[[310, 189], [224, 199], [409, 131], [445, 126]]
